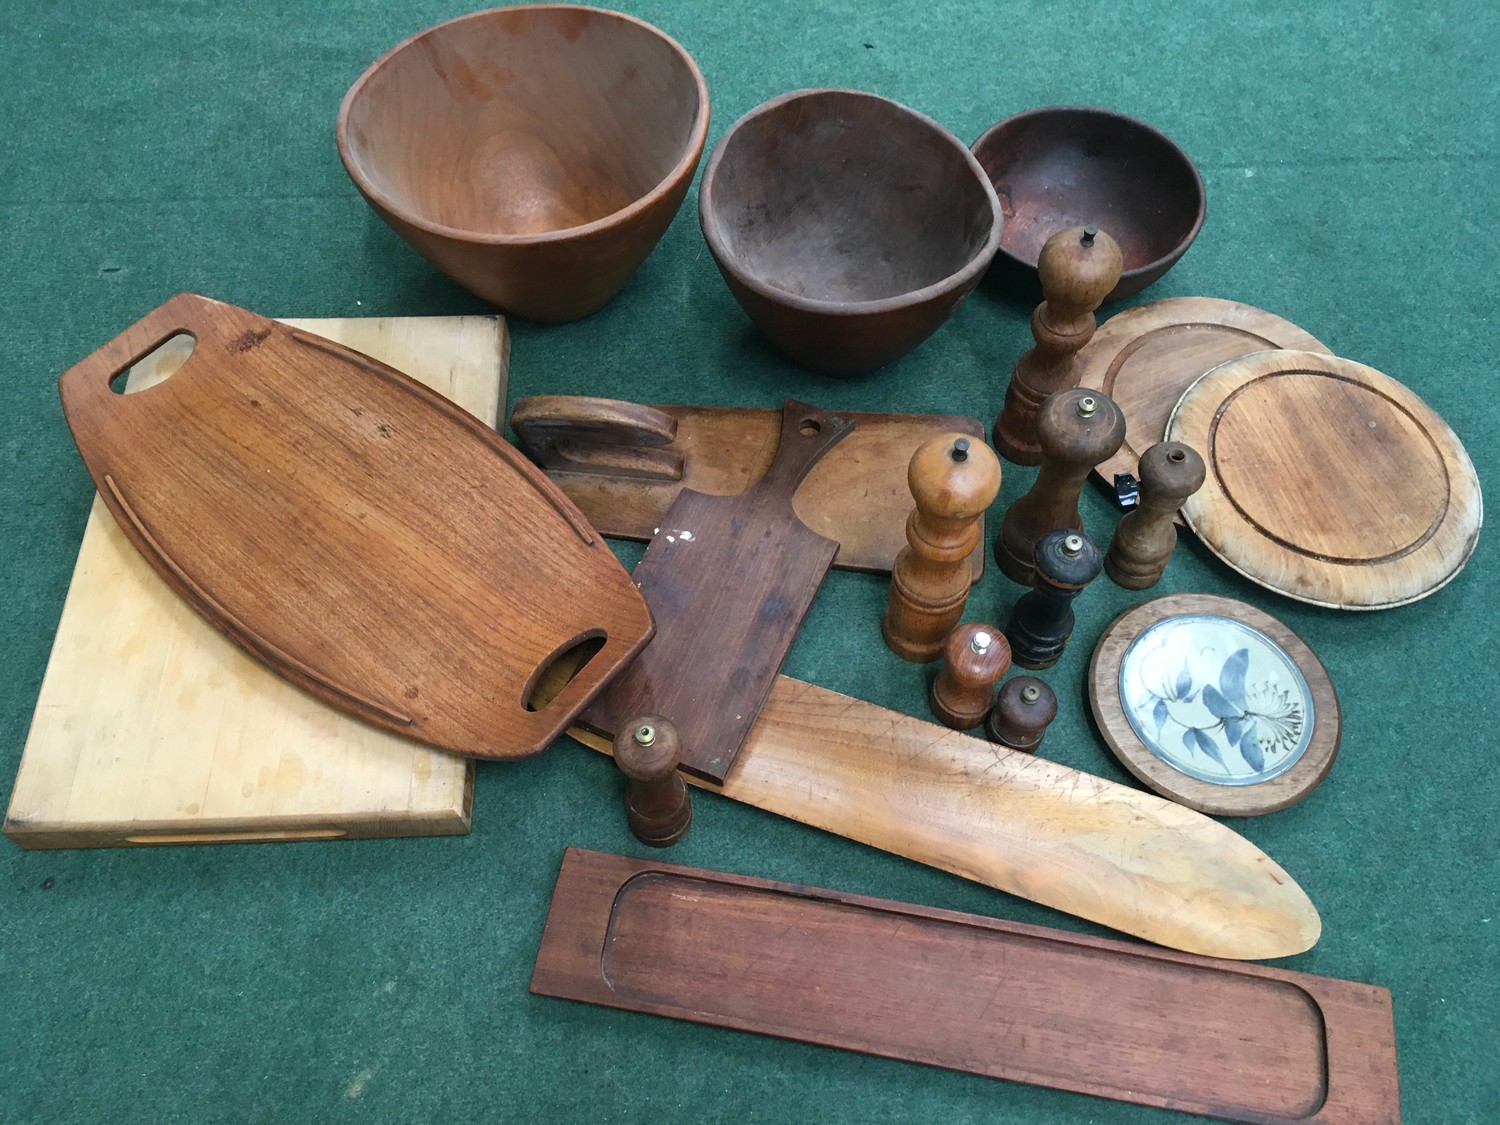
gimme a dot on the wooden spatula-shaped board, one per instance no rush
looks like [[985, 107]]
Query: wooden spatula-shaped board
[[729, 580], [359, 534]]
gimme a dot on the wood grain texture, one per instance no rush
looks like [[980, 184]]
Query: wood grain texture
[[846, 225], [1328, 481], [1145, 357], [623, 465], [151, 727], [1025, 1003], [1027, 826], [534, 153], [1266, 796], [729, 580], [358, 533]]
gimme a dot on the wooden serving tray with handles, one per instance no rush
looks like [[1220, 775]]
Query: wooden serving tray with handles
[[358, 533]]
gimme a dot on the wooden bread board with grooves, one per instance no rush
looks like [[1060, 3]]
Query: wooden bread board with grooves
[[152, 728], [968, 993], [624, 464]]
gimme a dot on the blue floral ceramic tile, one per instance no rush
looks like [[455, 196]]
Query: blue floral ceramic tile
[[1216, 699]]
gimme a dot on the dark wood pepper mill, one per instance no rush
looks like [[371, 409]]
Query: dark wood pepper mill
[[1078, 428], [953, 479], [657, 805], [1042, 620], [1078, 266], [975, 657], [1170, 472], [1021, 715]]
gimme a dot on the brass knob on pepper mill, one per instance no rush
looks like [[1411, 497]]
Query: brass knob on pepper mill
[[976, 656], [1170, 472], [1077, 429], [1021, 715], [1042, 620], [1078, 267], [657, 806], [953, 479]]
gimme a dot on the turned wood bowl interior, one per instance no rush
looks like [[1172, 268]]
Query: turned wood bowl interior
[[837, 197], [520, 123], [1059, 167]]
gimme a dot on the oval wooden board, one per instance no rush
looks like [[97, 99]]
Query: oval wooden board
[[356, 532], [1327, 481], [1265, 796], [1145, 357]]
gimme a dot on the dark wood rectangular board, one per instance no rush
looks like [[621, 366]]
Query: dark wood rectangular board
[[1046, 1007], [729, 580]]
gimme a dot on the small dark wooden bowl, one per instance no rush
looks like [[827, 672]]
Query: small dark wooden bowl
[[534, 154], [847, 226], [1066, 166]]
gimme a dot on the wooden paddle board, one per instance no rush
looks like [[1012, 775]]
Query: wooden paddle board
[[152, 728], [358, 533]]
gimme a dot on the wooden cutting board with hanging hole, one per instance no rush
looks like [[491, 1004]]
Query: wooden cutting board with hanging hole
[[360, 535], [152, 728], [1328, 481]]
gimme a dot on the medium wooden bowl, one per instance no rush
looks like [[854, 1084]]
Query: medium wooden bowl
[[1066, 166], [847, 226], [534, 154]]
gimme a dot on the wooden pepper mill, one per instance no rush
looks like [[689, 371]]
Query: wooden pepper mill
[[657, 805], [1078, 428], [953, 479], [1170, 472], [976, 656], [1042, 620], [1021, 715], [1078, 266]]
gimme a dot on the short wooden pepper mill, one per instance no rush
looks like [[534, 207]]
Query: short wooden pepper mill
[[975, 657], [1021, 715], [1042, 620], [1170, 472], [953, 479], [1078, 429], [657, 805], [1078, 266]]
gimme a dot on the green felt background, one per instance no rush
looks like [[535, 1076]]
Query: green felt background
[[1350, 155]]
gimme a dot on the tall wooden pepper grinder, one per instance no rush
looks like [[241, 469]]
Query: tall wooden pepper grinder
[[1042, 620], [1078, 266], [1078, 428], [1021, 715], [657, 806], [953, 480], [1170, 472], [975, 657]]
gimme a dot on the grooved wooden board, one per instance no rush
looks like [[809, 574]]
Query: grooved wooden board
[[857, 495], [361, 535], [1045, 1007], [152, 728], [1094, 849], [1145, 357], [1328, 481], [729, 580]]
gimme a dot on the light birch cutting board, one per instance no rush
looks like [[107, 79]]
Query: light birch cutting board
[[151, 728]]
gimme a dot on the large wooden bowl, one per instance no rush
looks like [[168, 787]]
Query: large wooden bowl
[[1066, 166], [534, 154], [847, 226]]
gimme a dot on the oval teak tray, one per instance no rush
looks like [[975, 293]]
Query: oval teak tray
[[356, 532], [1327, 481]]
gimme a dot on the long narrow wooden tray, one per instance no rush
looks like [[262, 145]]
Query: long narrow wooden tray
[[152, 728], [1106, 852], [1025, 1003]]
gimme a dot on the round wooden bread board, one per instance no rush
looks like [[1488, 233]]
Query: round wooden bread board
[[1145, 357], [1327, 482], [1219, 707]]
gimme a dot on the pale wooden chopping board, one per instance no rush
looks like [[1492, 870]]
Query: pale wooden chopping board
[[151, 728]]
